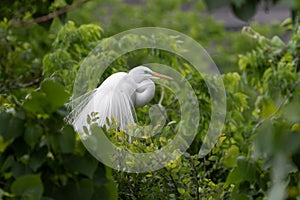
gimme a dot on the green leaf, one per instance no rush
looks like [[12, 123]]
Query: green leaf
[[28, 187], [33, 134], [37, 103], [105, 185], [7, 163], [18, 169], [243, 62], [83, 164], [246, 10], [37, 158], [79, 189], [244, 171], [85, 190], [5, 194], [53, 140], [181, 190], [268, 108], [3, 144], [11, 127], [230, 157], [50, 97], [55, 93], [67, 140]]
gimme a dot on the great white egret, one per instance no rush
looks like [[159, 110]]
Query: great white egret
[[116, 98]]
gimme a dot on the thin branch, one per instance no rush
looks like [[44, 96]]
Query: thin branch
[[196, 178], [21, 85], [31, 83], [173, 181], [50, 15], [280, 105]]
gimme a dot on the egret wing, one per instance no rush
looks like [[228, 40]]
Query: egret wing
[[112, 100], [77, 105]]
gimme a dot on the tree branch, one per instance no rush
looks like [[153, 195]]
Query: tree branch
[[50, 15], [21, 85], [282, 103]]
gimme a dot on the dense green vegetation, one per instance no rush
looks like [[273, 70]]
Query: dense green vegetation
[[41, 156]]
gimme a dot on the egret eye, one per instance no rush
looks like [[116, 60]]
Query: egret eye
[[147, 72]]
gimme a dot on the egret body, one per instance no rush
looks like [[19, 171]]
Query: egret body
[[117, 97]]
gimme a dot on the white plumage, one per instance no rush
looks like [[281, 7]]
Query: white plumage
[[116, 98]]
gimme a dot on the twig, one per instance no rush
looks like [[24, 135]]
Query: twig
[[173, 181], [22, 85], [50, 15], [279, 107], [197, 179], [31, 83]]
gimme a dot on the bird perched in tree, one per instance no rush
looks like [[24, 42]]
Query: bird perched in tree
[[117, 97]]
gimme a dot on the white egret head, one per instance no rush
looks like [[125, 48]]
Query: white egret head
[[141, 73]]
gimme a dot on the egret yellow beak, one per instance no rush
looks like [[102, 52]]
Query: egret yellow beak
[[161, 76]]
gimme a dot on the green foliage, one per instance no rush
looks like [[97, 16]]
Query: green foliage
[[257, 155], [41, 157], [181, 15], [28, 187], [71, 45], [16, 53], [186, 178], [45, 100], [271, 73], [21, 12]]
